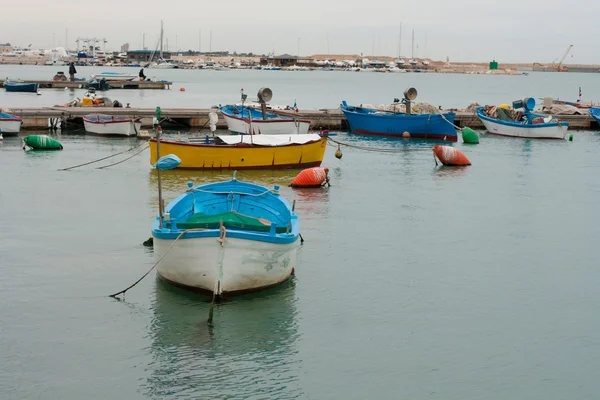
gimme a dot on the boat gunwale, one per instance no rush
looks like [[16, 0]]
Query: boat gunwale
[[280, 118], [234, 146]]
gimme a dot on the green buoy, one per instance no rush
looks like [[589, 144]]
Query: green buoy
[[42, 142], [469, 135], [571, 137]]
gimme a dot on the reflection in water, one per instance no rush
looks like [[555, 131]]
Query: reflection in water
[[250, 349], [445, 171]]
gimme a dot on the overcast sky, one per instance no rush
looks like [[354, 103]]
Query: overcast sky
[[467, 30]]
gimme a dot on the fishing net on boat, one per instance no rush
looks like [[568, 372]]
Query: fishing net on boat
[[230, 220]]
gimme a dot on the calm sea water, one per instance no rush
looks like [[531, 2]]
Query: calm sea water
[[415, 281], [311, 89]]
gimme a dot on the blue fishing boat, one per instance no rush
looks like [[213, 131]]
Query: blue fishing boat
[[595, 113], [14, 86], [364, 121], [225, 237]]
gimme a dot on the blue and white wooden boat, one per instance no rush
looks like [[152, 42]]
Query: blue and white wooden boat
[[226, 237], [365, 121], [10, 125], [595, 113], [15, 86], [247, 120], [527, 125]]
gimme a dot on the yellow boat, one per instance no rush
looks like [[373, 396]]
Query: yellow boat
[[245, 152]]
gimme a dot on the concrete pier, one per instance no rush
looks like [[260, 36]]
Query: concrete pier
[[112, 84], [332, 119]]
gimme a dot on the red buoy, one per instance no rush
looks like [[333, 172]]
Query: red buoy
[[182, 89], [450, 156], [311, 177]]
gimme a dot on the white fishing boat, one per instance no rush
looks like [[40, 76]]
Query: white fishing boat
[[10, 125], [108, 125], [246, 120], [113, 76], [521, 124], [226, 237]]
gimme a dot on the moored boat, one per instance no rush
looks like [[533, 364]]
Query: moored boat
[[247, 120], [434, 126], [113, 76], [523, 124], [10, 125], [108, 125], [595, 113], [15, 86], [246, 152], [226, 238]]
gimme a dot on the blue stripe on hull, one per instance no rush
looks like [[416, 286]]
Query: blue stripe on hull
[[427, 126]]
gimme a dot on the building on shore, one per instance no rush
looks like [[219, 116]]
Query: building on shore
[[146, 55], [285, 60], [5, 48], [125, 48]]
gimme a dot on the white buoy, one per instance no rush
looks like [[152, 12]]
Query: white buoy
[[39, 92]]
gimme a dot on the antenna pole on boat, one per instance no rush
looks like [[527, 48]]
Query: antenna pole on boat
[[160, 199]]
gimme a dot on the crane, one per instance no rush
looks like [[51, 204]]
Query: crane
[[560, 67]]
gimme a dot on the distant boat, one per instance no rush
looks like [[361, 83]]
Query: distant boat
[[240, 237], [15, 86], [162, 65], [364, 121], [246, 151], [522, 124], [10, 125], [113, 76], [107, 125], [247, 120]]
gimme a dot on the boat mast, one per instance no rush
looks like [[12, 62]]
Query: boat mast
[[400, 42], [161, 39], [413, 45]]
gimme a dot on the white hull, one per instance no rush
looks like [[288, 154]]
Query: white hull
[[246, 264], [544, 132], [114, 77], [113, 128], [271, 127], [12, 127], [161, 66]]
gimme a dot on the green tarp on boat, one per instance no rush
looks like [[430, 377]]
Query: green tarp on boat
[[230, 220]]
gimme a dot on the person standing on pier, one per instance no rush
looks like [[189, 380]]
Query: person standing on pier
[[72, 71]]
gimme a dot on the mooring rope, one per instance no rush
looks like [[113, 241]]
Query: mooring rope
[[455, 126], [378, 149], [119, 162], [103, 158], [163, 256]]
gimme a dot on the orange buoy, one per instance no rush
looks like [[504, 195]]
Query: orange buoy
[[182, 89], [450, 156], [406, 135], [311, 177]]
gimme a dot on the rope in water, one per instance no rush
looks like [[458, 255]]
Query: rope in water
[[154, 266], [119, 162], [103, 158], [378, 149]]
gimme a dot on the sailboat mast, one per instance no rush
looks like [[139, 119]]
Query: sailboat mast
[[161, 39], [413, 44], [400, 42]]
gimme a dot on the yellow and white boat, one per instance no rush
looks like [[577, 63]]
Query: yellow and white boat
[[245, 151]]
